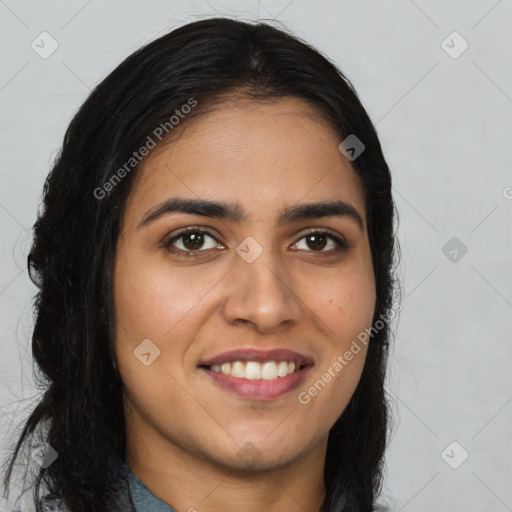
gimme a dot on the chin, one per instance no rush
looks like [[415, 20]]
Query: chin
[[259, 456]]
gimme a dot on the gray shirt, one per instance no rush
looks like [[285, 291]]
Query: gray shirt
[[136, 497]]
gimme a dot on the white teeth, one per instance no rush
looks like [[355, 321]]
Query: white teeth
[[282, 370], [252, 370], [269, 371], [237, 369]]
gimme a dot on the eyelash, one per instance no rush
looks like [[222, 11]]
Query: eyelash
[[167, 245]]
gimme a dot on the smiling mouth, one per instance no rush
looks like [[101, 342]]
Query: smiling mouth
[[255, 374]]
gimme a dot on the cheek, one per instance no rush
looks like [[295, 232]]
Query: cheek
[[168, 307], [343, 306], [151, 300], [153, 304], [344, 302]]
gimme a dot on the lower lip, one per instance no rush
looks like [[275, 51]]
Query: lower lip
[[260, 389]]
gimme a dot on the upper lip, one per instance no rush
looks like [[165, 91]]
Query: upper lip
[[260, 356]]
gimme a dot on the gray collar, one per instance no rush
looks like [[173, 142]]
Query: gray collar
[[136, 497], [143, 500]]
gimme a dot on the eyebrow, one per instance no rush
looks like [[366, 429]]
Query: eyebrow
[[235, 213]]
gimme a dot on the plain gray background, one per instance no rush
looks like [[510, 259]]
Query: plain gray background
[[445, 124]]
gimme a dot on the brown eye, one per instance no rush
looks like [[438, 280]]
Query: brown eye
[[317, 241], [191, 242]]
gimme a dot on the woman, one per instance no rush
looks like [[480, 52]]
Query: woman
[[215, 263]]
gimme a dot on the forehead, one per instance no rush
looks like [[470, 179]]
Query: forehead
[[263, 154]]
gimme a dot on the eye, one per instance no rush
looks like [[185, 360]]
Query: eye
[[317, 241], [191, 241]]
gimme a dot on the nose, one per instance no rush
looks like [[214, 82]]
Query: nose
[[262, 294]]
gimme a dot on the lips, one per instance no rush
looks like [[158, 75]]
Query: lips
[[256, 374]]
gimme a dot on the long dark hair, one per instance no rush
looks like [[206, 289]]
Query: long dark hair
[[71, 259]]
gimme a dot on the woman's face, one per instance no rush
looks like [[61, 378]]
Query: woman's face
[[205, 342]]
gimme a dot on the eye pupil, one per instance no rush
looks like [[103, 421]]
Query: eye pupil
[[318, 241], [193, 240]]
